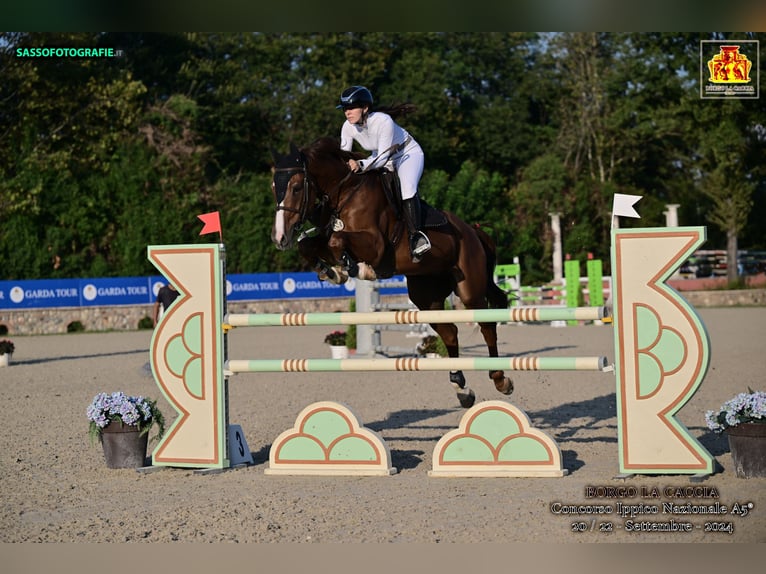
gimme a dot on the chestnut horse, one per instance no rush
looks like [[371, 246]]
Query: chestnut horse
[[348, 224]]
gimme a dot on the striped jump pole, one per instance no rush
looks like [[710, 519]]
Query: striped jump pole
[[516, 314], [661, 353], [418, 364]]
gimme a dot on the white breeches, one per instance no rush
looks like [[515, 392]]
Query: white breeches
[[409, 166]]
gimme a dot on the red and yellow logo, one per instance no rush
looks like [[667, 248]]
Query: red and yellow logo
[[728, 66]]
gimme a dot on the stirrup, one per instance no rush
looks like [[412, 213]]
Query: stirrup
[[419, 245]]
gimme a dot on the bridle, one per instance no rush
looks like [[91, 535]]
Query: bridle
[[287, 173]]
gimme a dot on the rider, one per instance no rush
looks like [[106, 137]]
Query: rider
[[391, 146]]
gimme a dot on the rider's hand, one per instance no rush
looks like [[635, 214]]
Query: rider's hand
[[353, 165]]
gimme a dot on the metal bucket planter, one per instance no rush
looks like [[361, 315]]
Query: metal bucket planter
[[124, 446], [747, 443]]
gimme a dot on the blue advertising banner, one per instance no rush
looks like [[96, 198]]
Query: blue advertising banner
[[113, 291], [253, 287], [396, 285], [307, 286], [40, 293]]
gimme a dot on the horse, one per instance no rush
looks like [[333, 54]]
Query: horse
[[349, 224]]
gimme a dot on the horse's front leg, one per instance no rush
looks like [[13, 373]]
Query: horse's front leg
[[314, 250], [502, 383], [309, 248], [350, 249], [335, 250]]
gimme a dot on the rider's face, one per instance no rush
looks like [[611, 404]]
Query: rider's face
[[354, 115]]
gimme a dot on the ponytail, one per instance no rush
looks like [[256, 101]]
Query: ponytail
[[398, 110]]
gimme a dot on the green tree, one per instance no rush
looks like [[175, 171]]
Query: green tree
[[727, 180], [63, 120], [544, 188], [100, 157]]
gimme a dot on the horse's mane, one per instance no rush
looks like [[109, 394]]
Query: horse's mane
[[327, 147]]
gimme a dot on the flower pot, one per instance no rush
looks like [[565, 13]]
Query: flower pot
[[747, 443], [339, 351], [5, 359], [124, 447]]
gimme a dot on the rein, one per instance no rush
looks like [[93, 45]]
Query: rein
[[302, 211], [322, 196], [289, 173], [338, 208], [392, 150]]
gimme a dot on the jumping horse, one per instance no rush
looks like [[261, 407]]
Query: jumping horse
[[349, 224]]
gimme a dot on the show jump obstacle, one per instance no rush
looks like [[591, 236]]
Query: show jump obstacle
[[661, 355]]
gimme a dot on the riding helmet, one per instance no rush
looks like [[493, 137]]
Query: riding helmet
[[355, 97]]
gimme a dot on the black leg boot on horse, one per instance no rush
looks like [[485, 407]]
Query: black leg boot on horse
[[419, 243]]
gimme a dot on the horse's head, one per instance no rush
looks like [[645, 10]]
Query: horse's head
[[304, 180], [290, 186]]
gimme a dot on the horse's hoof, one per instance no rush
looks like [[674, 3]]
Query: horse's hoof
[[342, 275], [336, 275], [366, 272], [466, 397], [331, 275], [504, 385]]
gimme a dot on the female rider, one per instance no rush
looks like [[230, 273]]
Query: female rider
[[390, 146]]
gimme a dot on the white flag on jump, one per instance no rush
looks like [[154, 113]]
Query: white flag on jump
[[623, 205]]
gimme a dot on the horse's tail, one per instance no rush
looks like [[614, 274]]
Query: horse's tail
[[496, 297]]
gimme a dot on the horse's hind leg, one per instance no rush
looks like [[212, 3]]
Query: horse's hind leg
[[464, 394], [476, 291], [429, 293], [497, 300], [489, 332], [502, 383], [448, 333]]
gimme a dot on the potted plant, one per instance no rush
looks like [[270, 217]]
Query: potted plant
[[432, 346], [351, 333], [122, 424], [6, 351], [743, 419], [337, 342]]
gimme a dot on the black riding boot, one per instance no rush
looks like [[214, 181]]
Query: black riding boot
[[419, 243]]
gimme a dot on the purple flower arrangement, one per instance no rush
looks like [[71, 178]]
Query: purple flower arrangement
[[747, 407], [132, 411]]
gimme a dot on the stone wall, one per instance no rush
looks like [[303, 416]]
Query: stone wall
[[49, 321], [127, 318]]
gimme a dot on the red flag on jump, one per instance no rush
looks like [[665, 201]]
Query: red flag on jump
[[212, 222]]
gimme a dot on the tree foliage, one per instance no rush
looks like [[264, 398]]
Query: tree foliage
[[100, 157]]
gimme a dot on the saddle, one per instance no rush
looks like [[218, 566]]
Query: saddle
[[431, 217]]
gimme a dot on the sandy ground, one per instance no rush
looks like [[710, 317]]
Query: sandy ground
[[56, 488]]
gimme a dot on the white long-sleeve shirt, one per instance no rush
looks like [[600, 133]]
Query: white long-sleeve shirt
[[376, 135]]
